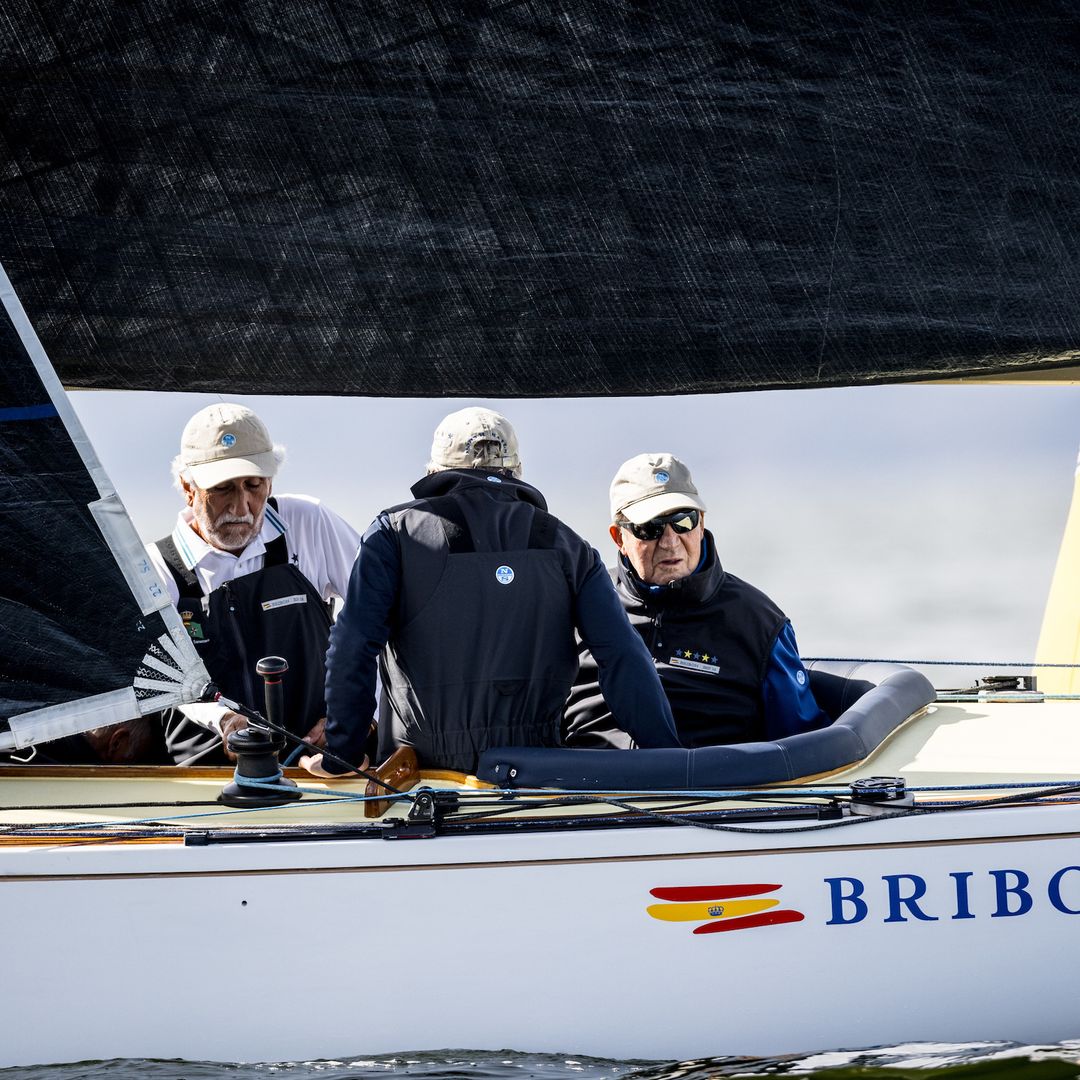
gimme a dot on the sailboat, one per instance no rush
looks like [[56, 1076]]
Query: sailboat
[[495, 200]]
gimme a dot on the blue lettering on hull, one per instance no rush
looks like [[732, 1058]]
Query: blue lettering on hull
[[906, 898]]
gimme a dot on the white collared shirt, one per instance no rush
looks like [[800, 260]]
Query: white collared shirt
[[320, 543]]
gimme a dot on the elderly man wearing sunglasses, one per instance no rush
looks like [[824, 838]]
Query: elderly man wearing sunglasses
[[725, 653]]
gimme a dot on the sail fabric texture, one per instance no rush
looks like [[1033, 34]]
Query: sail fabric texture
[[90, 636], [540, 199]]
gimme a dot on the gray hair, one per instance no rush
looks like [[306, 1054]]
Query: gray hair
[[487, 453], [181, 474]]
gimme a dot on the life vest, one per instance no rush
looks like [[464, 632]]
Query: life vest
[[274, 611], [711, 635]]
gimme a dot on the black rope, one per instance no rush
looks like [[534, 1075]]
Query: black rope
[[944, 807]]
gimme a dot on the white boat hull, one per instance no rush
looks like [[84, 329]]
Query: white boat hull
[[544, 942]]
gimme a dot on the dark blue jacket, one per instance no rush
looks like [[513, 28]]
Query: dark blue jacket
[[471, 595]]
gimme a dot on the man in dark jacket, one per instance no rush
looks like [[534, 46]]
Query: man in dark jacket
[[466, 600], [725, 653]]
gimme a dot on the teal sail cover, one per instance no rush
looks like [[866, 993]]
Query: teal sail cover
[[526, 199], [89, 635]]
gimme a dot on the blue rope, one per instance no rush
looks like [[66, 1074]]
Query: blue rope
[[327, 793], [257, 781], [294, 757]]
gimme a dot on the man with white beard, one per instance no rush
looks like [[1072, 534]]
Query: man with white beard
[[252, 575]]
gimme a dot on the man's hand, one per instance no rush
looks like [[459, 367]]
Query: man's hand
[[231, 722], [314, 765], [317, 735]]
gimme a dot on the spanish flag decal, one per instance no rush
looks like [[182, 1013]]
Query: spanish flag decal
[[721, 907]]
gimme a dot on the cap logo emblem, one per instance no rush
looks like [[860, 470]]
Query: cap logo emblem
[[504, 575], [228, 440], [661, 477], [493, 479]]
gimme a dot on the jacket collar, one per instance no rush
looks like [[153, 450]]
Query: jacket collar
[[697, 588], [455, 480]]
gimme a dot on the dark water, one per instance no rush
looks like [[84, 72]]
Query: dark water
[[919, 1061]]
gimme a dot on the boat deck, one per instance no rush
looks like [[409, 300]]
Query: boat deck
[[994, 744]]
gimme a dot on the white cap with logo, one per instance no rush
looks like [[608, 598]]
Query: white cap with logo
[[475, 438], [651, 485], [223, 442]]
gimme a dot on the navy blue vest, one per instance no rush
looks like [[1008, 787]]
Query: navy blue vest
[[710, 635]]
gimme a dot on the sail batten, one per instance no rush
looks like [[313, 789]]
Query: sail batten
[[86, 618]]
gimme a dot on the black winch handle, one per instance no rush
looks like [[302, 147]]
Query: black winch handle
[[272, 669]]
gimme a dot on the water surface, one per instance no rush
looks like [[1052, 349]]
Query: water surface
[[917, 1061]]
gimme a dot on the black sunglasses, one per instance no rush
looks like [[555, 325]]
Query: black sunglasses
[[682, 521]]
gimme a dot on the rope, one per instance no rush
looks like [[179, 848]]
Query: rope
[[330, 796], [251, 714], [257, 781], [913, 811], [294, 757]]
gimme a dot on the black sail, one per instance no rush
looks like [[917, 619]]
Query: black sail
[[521, 199], [89, 636]]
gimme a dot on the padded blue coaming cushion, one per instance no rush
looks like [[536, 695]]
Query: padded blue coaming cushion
[[867, 701]]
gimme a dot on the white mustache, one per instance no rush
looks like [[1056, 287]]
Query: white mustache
[[232, 519]]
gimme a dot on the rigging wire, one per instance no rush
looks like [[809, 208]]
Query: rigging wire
[[780, 799], [912, 811], [513, 800]]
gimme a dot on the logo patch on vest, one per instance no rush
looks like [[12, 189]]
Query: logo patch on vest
[[284, 601], [696, 661], [504, 575], [194, 629]]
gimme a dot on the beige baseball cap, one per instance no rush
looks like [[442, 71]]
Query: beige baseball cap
[[651, 485], [475, 438], [223, 442]]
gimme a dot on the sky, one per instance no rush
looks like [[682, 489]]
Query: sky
[[894, 522]]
